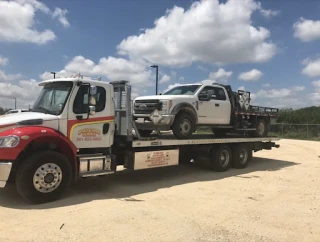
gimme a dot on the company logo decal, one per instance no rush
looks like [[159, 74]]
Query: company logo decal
[[89, 132]]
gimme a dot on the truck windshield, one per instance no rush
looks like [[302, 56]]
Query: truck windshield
[[53, 98], [183, 90]]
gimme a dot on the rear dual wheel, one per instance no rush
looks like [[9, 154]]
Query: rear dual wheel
[[222, 157]]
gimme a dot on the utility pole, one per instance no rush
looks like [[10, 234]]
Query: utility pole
[[157, 77], [54, 74]]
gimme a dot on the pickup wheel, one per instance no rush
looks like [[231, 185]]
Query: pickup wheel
[[221, 157], [261, 128], [241, 156], [43, 177], [183, 126]]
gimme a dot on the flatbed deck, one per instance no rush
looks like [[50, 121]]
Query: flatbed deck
[[197, 139]]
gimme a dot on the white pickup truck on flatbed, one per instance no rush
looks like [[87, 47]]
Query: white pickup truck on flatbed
[[80, 127], [185, 107]]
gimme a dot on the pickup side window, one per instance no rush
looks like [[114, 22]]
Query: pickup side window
[[221, 95], [81, 102], [218, 93]]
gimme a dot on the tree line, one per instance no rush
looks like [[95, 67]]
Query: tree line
[[3, 110], [309, 115]]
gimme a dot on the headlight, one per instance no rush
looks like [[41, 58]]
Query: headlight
[[9, 141], [166, 106]]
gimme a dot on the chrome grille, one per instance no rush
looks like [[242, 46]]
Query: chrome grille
[[147, 106]]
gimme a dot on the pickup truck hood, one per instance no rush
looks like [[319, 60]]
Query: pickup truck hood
[[12, 120], [163, 97]]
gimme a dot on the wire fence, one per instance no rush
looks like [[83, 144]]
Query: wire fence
[[296, 131]]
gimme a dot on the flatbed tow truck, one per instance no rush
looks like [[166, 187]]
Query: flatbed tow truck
[[81, 127]]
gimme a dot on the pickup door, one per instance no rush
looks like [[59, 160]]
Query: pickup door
[[215, 111]]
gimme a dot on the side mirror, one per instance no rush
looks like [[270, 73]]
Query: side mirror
[[92, 110], [93, 90], [92, 100]]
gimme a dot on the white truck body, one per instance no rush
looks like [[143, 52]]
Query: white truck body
[[185, 107]]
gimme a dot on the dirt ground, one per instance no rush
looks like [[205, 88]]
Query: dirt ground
[[276, 198]]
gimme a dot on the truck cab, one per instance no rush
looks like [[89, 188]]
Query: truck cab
[[82, 111], [183, 108]]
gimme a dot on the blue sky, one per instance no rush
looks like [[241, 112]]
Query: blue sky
[[195, 41]]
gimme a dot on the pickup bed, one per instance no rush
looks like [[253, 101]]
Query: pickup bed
[[185, 107]]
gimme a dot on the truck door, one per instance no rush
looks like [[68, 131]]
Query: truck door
[[216, 110], [91, 131]]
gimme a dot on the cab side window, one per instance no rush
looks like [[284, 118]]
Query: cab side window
[[218, 93], [204, 92], [221, 95], [81, 101]]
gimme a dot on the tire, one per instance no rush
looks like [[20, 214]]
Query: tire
[[261, 129], [221, 157], [183, 126], [145, 133], [56, 168], [241, 156]]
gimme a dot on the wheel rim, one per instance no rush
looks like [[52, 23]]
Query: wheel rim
[[243, 156], [47, 178], [224, 158], [261, 128], [185, 127]]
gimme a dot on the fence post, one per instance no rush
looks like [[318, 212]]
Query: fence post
[[307, 130], [282, 129]]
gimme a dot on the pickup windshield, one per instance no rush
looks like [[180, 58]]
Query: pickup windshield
[[53, 98], [183, 90]]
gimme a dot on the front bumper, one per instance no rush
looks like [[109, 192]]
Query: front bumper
[[5, 169], [164, 124]]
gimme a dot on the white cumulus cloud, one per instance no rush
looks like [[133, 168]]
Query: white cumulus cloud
[[281, 98], [268, 13], [307, 30], [3, 61], [26, 91], [221, 76], [253, 75], [312, 67], [61, 15], [165, 78], [114, 69], [18, 18], [4, 77], [316, 84], [280, 93], [222, 33]]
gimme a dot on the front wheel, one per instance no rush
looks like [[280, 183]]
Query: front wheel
[[183, 126], [43, 177]]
